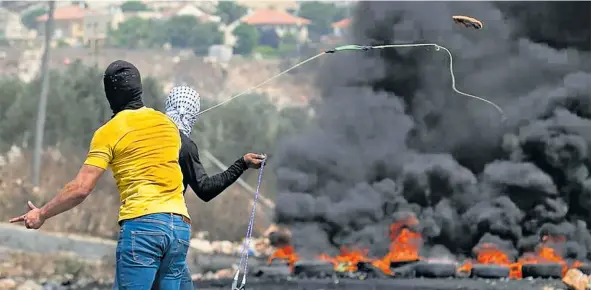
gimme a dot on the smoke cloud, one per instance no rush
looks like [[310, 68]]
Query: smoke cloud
[[392, 138]]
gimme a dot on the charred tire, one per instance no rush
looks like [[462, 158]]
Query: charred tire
[[435, 270], [586, 269], [313, 269], [272, 271], [549, 270], [371, 270], [278, 262], [490, 271], [397, 264]]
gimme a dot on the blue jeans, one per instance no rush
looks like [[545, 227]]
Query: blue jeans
[[152, 250], [186, 281]]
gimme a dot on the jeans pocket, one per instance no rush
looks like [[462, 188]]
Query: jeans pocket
[[178, 260], [146, 247]]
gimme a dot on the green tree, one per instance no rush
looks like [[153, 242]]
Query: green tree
[[134, 6], [229, 11], [29, 18], [181, 30], [322, 15], [133, 33], [77, 107], [11, 89], [248, 38], [204, 36], [186, 32]]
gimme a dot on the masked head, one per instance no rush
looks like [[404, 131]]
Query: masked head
[[123, 86], [182, 106]]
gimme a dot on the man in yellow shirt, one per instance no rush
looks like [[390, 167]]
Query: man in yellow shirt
[[141, 146]]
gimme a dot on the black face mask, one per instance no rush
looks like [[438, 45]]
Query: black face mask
[[123, 86]]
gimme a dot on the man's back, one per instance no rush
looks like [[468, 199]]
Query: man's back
[[143, 148]]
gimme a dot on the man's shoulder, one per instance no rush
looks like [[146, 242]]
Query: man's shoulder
[[157, 115], [188, 146], [104, 129]]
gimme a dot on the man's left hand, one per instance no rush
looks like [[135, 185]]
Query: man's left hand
[[254, 160], [33, 219]]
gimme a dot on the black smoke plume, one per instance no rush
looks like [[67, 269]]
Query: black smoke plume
[[393, 139]]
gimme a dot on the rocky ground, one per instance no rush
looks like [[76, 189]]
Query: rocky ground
[[38, 260], [35, 260]]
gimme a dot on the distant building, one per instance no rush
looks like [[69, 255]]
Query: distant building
[[29, 64], [13, 30], [219, 54], [68, 24], [192, 10], [118, 16], [278, 21], [284, 5], [77, 25], [162, 5], [339, 27], [96, 27]]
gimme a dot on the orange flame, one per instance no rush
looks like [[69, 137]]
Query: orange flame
[[489, 254], [406, 244], [348, 259], [404, 247], [545, 254], [286, 253]]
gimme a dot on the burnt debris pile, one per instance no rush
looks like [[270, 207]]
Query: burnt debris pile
[[400, 168]]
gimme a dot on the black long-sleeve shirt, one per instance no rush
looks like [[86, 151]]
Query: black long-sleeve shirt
[[206, 187]]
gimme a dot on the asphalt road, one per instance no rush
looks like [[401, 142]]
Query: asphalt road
[[391, 284]]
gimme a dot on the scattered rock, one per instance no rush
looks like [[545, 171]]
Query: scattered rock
[[7, 283], [576, 280], [29, 285], [53, 286], [202, 246], [224, 273]]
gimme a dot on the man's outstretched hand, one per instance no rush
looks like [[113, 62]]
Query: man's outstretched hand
[[32, 219], [254, 160]]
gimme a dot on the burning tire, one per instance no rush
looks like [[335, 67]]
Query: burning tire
[[435, 270], [272, 271], [396, 264], [370, 270], [550, 270], [490, 271], [319, 269]]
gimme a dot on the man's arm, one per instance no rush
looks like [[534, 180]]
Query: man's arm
[[206, 187], [74, 192], [99, 156], [97, 161]]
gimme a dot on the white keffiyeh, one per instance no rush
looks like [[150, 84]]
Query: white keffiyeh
[[182, 106]]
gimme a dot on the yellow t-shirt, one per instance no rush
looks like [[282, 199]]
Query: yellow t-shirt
[[142, 148]]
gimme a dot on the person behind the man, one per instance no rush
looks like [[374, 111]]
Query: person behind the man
[[142, 147], [182, 106]]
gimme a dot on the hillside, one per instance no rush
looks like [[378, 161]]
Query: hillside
[[175, 66]]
